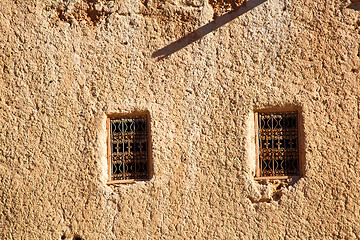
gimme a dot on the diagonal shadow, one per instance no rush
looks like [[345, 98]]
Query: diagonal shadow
[[355, 6], [204, 30]]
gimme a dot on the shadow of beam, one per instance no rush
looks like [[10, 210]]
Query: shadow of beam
[[204, 30], [355, 6]]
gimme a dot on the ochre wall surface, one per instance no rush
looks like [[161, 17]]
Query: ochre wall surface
[[65, 65]]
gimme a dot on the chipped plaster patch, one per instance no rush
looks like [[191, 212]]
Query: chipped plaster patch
[[223, 6]]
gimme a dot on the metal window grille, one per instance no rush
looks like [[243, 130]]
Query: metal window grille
[[278, 143], [129, 148]]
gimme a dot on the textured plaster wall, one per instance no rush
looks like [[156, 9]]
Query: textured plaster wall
[[64, 65]]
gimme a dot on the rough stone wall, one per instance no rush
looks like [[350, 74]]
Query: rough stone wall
[[64, 65]]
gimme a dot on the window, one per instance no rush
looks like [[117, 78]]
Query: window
[[128, 147], [278, 144]]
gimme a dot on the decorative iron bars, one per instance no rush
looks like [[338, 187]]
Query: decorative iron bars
[[129, 148], [278, 143]]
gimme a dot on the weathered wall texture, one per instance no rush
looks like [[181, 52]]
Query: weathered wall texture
[[64, 65]]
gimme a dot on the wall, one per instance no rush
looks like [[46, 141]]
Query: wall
[[65, 65]]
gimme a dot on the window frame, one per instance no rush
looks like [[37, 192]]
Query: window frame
[[149, 149], [300, 142]]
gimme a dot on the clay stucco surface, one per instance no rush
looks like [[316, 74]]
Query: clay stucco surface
[[65, 65]]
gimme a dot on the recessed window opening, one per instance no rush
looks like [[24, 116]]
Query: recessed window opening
[[77, 237], [128, 147], [278, 144]]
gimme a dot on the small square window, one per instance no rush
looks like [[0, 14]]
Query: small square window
[[278, 144], [128, 148]]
